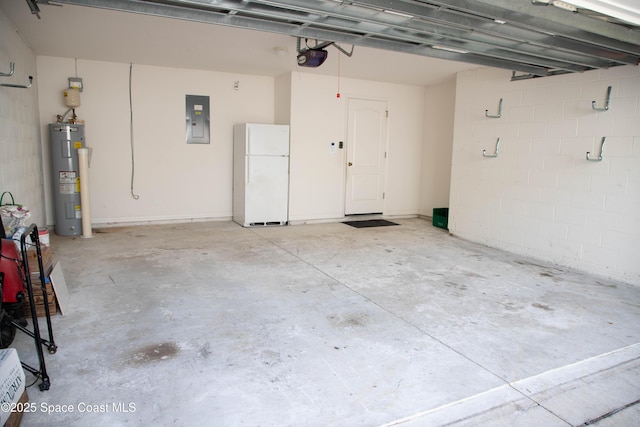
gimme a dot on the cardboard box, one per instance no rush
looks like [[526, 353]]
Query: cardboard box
[[16, 417], [12, 387]]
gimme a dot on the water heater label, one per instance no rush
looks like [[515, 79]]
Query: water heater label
[[68, 182]]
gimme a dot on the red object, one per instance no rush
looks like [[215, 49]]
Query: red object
[[12, 286], [338, 95]]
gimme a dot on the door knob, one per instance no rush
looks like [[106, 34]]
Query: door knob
[[350, 164]]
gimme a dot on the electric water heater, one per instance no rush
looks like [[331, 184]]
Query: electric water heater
[[65, 141]]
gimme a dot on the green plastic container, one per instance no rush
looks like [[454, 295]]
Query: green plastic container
[[441, 218]]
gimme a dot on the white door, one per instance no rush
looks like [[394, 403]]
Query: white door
[[366, 165]]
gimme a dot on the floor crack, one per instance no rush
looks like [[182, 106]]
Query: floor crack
[[609, 414]]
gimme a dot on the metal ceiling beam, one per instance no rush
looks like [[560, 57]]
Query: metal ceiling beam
[[451, 32], [413, 31], [455, 34], [296, 30], [551, 20], [560, 19], [485, 26], [524, 42]]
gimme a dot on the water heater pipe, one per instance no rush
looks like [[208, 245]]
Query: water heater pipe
[[83, 163]]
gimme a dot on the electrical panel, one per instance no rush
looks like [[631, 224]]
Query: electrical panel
[[197, 112]]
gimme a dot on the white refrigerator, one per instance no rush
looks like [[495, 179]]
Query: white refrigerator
[[260, 174]]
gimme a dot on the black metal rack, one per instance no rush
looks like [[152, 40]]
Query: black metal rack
[[19, 324]]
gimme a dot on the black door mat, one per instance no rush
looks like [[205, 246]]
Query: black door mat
[[370, 223]]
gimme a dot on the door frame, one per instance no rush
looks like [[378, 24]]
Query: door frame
[[347, 147]]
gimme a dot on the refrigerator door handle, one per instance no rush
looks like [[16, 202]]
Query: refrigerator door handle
[[247, 175]]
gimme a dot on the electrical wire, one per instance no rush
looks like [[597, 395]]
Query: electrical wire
[[338, 94], [133, 160], [38, 376], [18, 262]]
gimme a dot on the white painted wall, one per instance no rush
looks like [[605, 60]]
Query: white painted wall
[[438, 146], [316, 176], [283, 99], [20, 156], [319, 117], [541, 197], [175, 181]]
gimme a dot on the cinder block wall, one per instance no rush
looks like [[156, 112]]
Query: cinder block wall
[[20, 155], [540, 196]]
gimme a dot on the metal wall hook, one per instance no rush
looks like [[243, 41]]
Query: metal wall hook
[[484, 152], [19, 86], [12, 66], [606, 104], [599, 158], [497, 116]]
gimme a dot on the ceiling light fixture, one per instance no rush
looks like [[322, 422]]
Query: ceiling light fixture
[[393, 12], [280, 51], [449, 49], [557, 3], [564, 5]]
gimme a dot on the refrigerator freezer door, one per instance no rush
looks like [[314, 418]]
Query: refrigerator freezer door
[[267, 140]]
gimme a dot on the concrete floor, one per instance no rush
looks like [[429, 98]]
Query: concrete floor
[[325, 324]]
